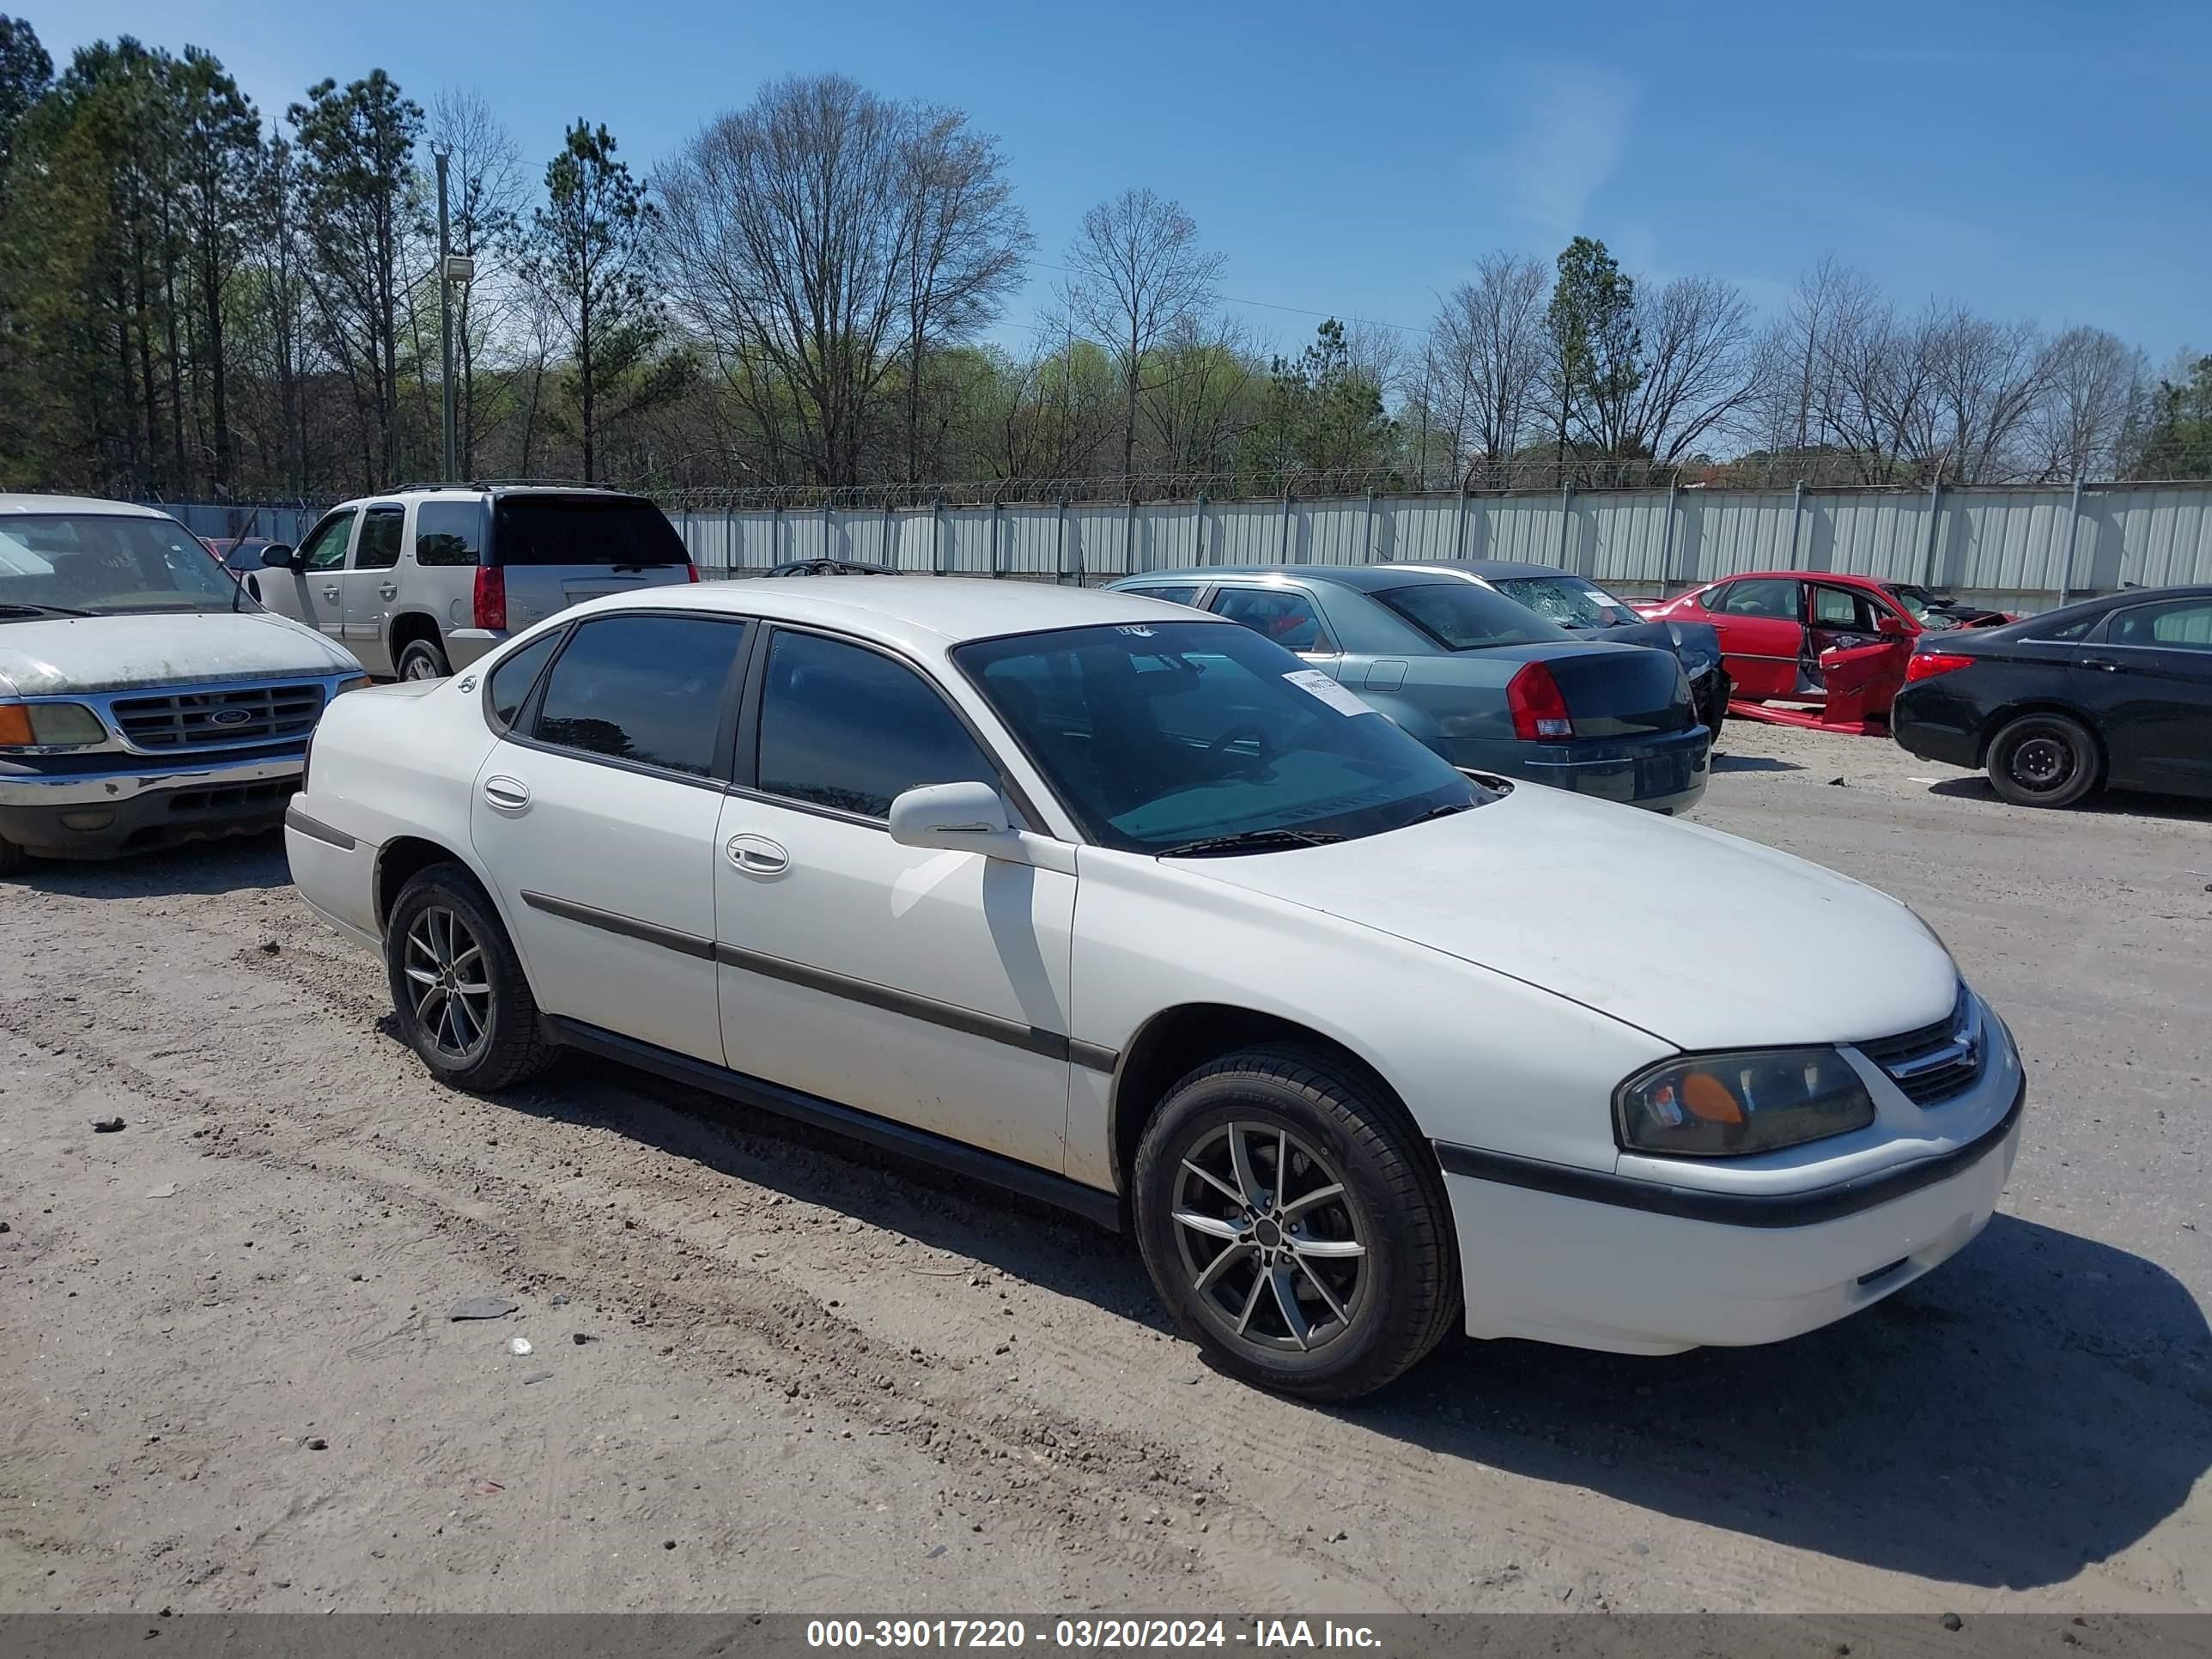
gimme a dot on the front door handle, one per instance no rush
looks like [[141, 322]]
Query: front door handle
[[387, 591], [506, 794], [757, 855], [330, 593], [2105, 663]]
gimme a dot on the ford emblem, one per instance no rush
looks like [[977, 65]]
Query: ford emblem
[[230, 717]]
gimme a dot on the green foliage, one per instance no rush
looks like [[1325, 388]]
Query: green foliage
[[1323, 421], [1595, 343], [2176, 432]]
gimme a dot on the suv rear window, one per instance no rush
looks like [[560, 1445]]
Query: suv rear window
[[601, 530]]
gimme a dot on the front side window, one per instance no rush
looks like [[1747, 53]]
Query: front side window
[[1569, 601], [847, 728], [1770, 597], [382, 533], [1842, 609], [1463, 616], [1283, 615], [643, 689], [99, 564], [1158, 735], [326, 546], [2181, 625], [448, 533]]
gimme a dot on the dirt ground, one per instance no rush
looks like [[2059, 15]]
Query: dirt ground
[[773, 1372]]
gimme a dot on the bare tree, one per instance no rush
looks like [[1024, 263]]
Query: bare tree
[[1988, 378], [2094, 384], [486, 186], [964, 245], [1490, 349], [1139, 276], [790, 247], [1198, 403], [1876, 382], [1698, 371]]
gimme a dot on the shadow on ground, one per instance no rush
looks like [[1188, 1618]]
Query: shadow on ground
[[200, 866], [1753, 763], [2107, 802], [2040, 1402]]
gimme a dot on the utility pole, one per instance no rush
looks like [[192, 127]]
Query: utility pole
[[447, 275]]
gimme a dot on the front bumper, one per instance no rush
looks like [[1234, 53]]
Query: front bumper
[[1664, 774], [1588, 1273], [92, 815]]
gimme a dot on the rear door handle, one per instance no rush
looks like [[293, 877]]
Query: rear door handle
[[329, 593], [757, 855], [2105, 663], [387, 591], [506, 794]]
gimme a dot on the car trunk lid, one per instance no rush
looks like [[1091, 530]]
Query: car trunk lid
[[1621, 690]]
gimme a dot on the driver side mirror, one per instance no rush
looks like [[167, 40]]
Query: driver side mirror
[[1894, 628], [278, 557], [961, 817]]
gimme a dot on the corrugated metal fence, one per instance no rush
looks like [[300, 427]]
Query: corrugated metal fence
[[2020, 548]]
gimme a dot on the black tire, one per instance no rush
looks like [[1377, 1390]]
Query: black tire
[[423, 659], [1397, 1297], [13, 858], [478, 1043], [2045, 760]]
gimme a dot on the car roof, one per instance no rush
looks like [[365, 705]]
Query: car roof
[[918, 612], [1487, 568], [1365, 578], [18, 503]]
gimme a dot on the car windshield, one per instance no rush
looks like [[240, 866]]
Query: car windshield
[[1465, 616], [1158, 735], [1921, 605], [1569, 601], [106, 564]]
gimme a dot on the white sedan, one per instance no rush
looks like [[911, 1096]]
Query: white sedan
[[1131, 910]]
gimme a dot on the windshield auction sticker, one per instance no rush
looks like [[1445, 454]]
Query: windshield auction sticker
[[1320, 684]]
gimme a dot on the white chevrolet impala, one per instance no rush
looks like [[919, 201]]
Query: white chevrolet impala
[[1131, 910]]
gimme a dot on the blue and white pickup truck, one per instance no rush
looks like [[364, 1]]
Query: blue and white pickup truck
[[145, 698]]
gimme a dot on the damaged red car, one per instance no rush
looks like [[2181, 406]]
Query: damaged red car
[[1836, 644]]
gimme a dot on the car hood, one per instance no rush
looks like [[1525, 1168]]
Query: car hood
[[49, 656], [1702, 939]]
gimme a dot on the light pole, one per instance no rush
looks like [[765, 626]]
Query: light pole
[[450, 271]]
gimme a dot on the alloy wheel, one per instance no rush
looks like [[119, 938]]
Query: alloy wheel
[[1271, 1242], [420, 667], [445, 966]]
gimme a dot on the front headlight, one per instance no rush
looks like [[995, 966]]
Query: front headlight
[[49, 726], [1734, 1105]]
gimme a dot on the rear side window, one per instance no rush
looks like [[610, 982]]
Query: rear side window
[[588, 530], [2077, 630], [1461, 616], [643, 689], [1769, 597], [382, 533], [846, 727], [448, 533], [512, 680], [1285, 616], [1186, 594]]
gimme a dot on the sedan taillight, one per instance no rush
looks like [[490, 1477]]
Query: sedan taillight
[[691, 572], [491, 597], [1926, 665], [1538, 710]]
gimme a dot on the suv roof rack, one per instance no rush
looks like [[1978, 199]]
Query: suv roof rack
[[502, 483]]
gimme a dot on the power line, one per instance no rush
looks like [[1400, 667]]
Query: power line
[[1269, 305]]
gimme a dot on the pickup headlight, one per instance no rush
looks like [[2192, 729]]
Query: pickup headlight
[[1734, 1105], [49, 726], [352, 683]]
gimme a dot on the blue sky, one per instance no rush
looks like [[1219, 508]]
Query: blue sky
[[2034, 159]]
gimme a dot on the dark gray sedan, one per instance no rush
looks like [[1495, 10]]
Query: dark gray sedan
[[1482, 679], [1580, 607]]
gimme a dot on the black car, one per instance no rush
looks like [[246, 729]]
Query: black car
[[2113, 691], [1580, 607], [828, 568]]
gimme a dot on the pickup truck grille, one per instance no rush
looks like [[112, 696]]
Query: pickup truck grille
[[206, 720], [1937, 1062]]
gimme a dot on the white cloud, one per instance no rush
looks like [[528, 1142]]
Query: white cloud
[[1567, 129]]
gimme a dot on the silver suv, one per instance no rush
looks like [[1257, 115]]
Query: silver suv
[[426, 578]]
